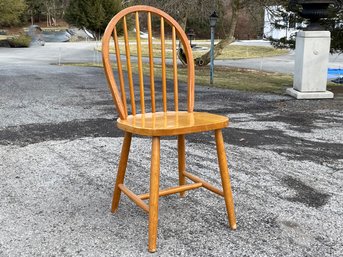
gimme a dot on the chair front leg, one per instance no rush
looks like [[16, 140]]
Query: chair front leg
[[181, 161], [154, 193], [121, 170], [224, 173]]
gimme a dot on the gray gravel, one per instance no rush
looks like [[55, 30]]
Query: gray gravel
[[59, 149]]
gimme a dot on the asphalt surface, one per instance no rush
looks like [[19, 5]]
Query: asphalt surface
[[59, 149], [282, 64]]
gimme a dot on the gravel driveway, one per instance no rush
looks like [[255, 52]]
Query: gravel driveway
[[59, 149]]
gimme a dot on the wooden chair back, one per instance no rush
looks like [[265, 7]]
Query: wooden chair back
[[120, 23]]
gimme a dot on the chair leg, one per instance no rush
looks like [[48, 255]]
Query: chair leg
[[224, 173], [154, 193], [182, 161], [121, 170]]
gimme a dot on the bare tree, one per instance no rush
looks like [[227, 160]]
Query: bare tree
[[183, 10], [235, 6], [53, 9], [229, 37]]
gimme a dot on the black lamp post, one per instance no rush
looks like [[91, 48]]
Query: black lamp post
[[191, 35], [314, 10], [213, 21]]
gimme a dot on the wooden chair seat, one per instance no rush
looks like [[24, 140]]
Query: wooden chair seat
[[172, 123]]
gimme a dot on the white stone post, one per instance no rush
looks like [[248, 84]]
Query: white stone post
[[311, 65]]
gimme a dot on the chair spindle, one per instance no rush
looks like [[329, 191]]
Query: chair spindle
[[129, 68], [176, 93], [151, 64], [140, 64], [120, 69], [163, 59]]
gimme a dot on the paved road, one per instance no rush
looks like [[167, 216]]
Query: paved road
[[51, 53], [59, 148], [282, 64]]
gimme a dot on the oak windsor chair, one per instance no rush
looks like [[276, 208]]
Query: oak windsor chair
[[156, 124]]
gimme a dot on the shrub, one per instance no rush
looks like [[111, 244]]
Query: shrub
[[20, 41]]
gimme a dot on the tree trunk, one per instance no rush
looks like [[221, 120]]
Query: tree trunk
[[218, 49], [183, 22], [229, 38], [180, 53]]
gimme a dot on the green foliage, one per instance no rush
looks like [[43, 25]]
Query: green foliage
[[92, 14], [334, 24], [283, 42], [20, 41], [11, 12], [336, 45], [35, 7], [336, 27], [51, 10], [337, 40]]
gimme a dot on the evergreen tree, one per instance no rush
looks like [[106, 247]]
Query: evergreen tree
[[334, 24], [34, 8], [11, 12], [92, 14]]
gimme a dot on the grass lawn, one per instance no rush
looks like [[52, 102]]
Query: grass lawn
[[225, 77], [245, 80]]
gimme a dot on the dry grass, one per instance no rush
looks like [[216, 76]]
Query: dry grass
[[244, 52], [230, 52], [245, 80]]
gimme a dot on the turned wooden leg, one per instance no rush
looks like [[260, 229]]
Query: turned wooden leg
[[224, 173], [154, 191], [121, 170], [182, 161]]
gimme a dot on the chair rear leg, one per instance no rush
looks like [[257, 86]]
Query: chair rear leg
[[121, 170], [224, 173], [181, 161], [154, 193]]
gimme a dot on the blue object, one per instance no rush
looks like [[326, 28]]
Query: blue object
[[335, 73], [212, 55]]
